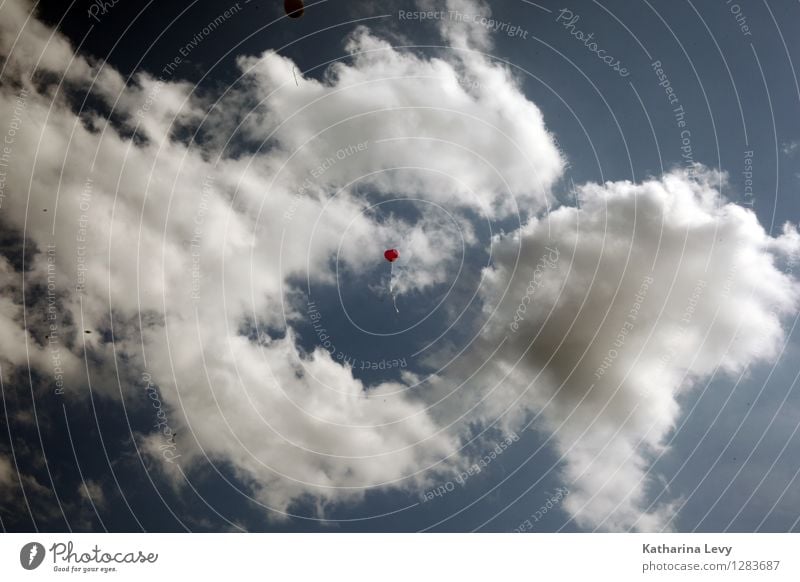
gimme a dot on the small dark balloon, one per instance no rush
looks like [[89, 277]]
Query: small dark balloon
[[293, 8]]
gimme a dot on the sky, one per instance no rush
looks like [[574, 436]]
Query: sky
[[590, 325]]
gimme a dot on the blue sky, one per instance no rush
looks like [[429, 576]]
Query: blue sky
[[273, 416]]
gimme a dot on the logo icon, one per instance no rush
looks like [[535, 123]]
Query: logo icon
[[31, 555]]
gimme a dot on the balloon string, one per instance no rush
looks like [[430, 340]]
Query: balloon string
[[391, 286]]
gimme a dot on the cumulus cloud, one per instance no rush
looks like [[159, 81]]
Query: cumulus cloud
[[603, 314], [177, 248], [418, 116], [184, 249]]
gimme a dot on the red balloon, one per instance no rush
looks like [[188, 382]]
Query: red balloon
[[391, 255], [294, 8]]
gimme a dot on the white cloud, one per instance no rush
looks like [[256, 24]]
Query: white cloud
[[788, 148], [10, 480], [420, 121], [139, 223], [156, 213], [7, 473], [92, 492], [656, 286]]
